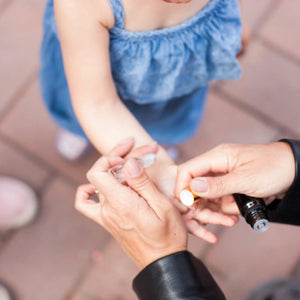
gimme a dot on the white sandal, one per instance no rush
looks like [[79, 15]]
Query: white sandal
[[72, 147], [4, 293], [173, 152], [18, 203]]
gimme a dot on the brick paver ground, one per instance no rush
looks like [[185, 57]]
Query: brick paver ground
[[62, 255]]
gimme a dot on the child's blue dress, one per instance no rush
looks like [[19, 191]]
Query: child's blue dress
[[160, 75]]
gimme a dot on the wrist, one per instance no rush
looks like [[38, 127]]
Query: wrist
[[153, 256]]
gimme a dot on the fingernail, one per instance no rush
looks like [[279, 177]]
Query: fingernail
[[133, 168], [125, 141], [199, 185]]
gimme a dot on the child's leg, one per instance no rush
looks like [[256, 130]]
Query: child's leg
[[71, 146], [4, 293]]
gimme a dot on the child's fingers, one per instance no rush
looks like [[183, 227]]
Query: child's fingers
[[123, 148], [229, 206], [146, 149], [200, 231], [210, 217]]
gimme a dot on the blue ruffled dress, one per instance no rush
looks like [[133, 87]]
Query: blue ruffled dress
[[161, 75]]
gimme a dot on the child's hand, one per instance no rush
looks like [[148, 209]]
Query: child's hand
[[206, 212], [125, 149], [163, 175], [246, 37], [201, 213]]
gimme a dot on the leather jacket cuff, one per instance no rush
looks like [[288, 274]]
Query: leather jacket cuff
[[287, 210], [177, 276]]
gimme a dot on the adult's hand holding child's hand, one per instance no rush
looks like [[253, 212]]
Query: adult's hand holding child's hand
[[143, 220]]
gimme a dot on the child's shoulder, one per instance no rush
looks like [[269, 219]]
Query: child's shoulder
[[99, 10]]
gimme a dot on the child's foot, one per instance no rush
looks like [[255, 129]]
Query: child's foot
[[18, 203], [173, 152], [4, 293], [71, 146]]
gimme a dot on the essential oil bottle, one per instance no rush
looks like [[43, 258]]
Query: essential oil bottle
[[254, 211]]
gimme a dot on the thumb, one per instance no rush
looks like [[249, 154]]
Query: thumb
[[214, 187], [139, 181]]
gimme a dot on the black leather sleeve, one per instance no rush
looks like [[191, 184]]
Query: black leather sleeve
[[179, 276], [287, 210]]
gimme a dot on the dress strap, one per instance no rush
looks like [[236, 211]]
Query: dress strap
[[118, 11]]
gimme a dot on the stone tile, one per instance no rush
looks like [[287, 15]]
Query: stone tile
[[231, 290], [283, 27], [296, 270], [30, 125], [269, 84], [255, 10], [197, 246], [111, 277], [287, 135], [45, 259], [225, 123], [20, 35], [17, 165], [2, 2], [245, 259]]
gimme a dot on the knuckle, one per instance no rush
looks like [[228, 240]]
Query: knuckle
[[143, 183], [167, 208], [225, 148], [230, 155], [218, 185], [91, 175]]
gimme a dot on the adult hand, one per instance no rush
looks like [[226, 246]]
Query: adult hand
[[258, 170], [163, 175], [143, 220]]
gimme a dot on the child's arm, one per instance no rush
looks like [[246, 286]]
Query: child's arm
[[83, 31], [246, 32]]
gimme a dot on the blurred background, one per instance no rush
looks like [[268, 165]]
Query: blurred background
[[62, 255]]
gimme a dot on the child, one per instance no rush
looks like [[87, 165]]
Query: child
[[135, 66]]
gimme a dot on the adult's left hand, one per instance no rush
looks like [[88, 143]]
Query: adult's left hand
[[143, 220], [195, 218]]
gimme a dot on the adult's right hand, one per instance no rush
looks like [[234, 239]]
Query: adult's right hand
[[258, 170]]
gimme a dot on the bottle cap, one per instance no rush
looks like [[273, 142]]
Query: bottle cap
[[261, 225], [187, 198]]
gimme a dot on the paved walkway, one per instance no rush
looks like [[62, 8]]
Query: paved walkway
[[62, 255]]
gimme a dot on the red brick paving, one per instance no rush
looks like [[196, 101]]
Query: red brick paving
[[282, 28], [45, 259], [20, 33], [269, 85], [51, 258]]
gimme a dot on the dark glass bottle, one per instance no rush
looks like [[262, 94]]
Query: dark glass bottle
[[254, 211]]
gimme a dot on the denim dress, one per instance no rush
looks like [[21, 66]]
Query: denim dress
[[161, 75]]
